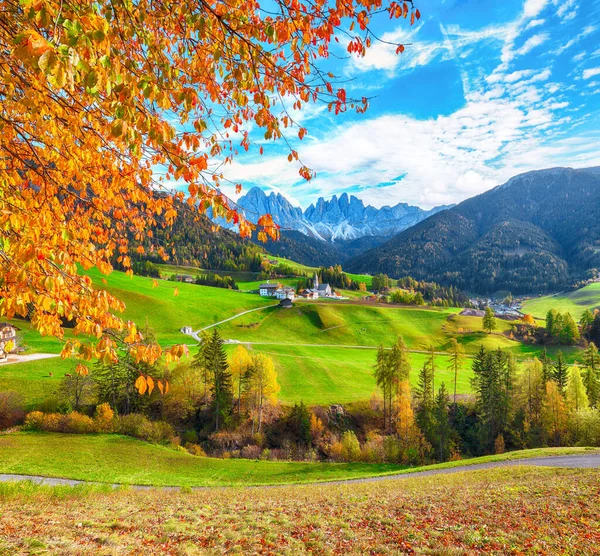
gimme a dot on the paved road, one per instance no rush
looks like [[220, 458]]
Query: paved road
[[12, 359], [582, 461]]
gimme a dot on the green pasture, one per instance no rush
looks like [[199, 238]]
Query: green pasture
[[109, 458], [575, 302]]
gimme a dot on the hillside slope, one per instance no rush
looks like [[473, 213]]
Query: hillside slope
[[535, 233]]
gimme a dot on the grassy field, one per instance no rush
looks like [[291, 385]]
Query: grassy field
[[576, 302], [195, 305], [111, 458], [327, 375]]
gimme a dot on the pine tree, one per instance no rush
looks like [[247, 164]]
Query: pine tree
[[489, 320], [532, 388], [222, 391], [456, 354], [425, 403], [442, 427], [547, 367], [592, 374], [383, 380], [560, 374]]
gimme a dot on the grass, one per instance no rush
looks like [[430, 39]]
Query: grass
[[111, 458], [575, 302], [328, 375], [118, 459], [32, 378], [519, 510], [196, 306]]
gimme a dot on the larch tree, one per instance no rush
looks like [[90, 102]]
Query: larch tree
[[456, 356], [554, 414], [489, 320], [103, 104], [239, 366], [262, 387]]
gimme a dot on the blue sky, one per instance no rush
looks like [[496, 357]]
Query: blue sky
[[484, 90]]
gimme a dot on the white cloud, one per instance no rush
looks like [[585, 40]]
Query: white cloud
[[532, 43], [591, 72], [567, 9], [532, 8]]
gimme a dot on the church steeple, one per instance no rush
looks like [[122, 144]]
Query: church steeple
[[316, 286]]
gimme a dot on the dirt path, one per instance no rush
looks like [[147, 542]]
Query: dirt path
[[12, 359], [196, 334], [580, 461]]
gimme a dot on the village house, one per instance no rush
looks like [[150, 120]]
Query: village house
[[285, 293], [186, 330], [8, 339], [188, 279], [268, 290]]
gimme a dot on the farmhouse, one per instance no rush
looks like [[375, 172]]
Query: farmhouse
[[186, 330], [285, 293], [8, 339], [188, 279], [268, 290]]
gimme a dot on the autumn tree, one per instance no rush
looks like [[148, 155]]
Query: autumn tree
[[554, 414], [103, 104], [262, 387], [77, 387], [239, 366], [489, 320], [531, 388]]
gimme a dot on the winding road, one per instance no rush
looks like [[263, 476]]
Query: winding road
[[578, 461]]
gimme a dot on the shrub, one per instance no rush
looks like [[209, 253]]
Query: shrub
[[140, 427], [350, 447], [251, 452], [11, 409], [195, 450], [34, 421], [52, 422], [190, 437], [77, 423], [104, 417], [499, 444]]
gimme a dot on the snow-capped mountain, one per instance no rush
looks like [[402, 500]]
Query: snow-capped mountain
[[341, 218]]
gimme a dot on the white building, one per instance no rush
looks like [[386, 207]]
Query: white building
[[285, 293], [268, 290]]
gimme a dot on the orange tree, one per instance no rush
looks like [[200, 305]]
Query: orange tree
[[103, 103]]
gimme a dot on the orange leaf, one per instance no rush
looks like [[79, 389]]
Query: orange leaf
[[176, 292], [141, 385]]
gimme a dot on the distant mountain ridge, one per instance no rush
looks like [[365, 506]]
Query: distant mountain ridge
[[535, 233], [341, 218]]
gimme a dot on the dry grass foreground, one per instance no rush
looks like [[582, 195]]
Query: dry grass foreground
[[519, 510]]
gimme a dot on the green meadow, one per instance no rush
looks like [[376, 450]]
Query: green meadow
[[112, 458], [575, 302]]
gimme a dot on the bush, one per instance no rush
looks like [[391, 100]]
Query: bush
[[11, 409], [350, 447], [141, 427], [190, 437], [77, 423], [103, 417], [52, 422], [34, 421], [251, 452], [195, 450]]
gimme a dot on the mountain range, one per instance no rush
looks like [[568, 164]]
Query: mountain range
[[344, 218], [537, 232]]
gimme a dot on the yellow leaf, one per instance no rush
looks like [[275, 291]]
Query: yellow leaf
[[176, 292], [150, 383], [141, 385]]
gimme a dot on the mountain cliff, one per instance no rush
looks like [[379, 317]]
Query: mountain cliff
[[342, 218], [536, 233]]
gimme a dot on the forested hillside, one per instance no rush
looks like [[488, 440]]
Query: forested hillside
[[194, 240], [535, 233]]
